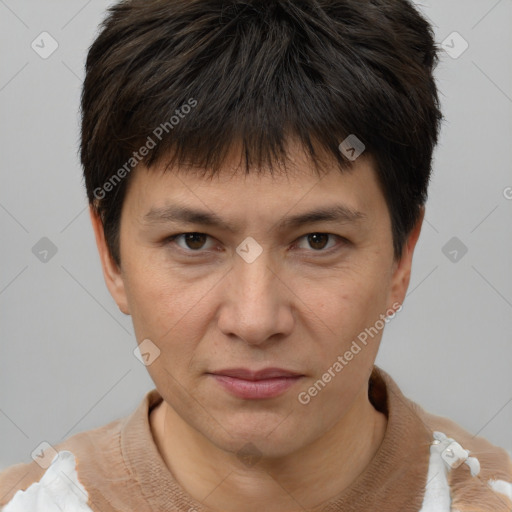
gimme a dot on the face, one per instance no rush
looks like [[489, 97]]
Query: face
[[263, 283]]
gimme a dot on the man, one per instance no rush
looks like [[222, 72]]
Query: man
[[257, 174]]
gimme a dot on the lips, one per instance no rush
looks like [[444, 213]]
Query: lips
[[260, 384], [266, 373]]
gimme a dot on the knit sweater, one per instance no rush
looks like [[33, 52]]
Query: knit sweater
[[425, 463]]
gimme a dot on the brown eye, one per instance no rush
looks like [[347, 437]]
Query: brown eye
[[195, 240], [318, 240], [321, 243], [191, 242]]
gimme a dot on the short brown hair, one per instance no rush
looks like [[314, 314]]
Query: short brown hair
[[206, 74]]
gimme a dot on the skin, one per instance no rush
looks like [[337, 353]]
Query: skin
[[298, 306]]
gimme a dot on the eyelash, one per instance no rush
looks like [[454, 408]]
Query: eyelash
[[341, 242]]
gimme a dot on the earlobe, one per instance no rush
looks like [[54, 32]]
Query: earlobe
[[111, 271], [402, 268]]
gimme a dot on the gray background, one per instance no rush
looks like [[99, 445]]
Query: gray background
[[67, 360]]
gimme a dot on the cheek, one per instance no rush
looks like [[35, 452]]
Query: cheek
[[346, 308], [173, 318], [162, 299], [174, 311], [347, 301]]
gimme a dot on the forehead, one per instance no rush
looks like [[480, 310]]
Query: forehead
[[297, 171], [262, 205], [298, 186]]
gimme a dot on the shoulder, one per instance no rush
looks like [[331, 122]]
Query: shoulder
[[74, 463], [476, 474], [58, 487], [465, 472]]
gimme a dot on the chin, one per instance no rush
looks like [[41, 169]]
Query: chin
[[260, 439]]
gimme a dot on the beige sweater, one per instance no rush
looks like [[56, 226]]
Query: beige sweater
[[425, 463]]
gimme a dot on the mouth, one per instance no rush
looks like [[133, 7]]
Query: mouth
[[253, 385]]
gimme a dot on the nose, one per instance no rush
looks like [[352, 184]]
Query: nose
[[257, 304]]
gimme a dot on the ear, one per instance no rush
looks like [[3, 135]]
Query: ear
[[401, 273], [111, 271]]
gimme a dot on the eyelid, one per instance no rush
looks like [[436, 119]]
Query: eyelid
[[171, 239], [341, 241]]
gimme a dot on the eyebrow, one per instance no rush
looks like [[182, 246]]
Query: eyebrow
[[174, 213]]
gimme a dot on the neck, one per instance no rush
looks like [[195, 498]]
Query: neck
[[303, 479]]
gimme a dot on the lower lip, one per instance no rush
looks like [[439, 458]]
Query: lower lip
[[254, 389]]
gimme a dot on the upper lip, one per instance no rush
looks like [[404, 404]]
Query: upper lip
[[266, 373]]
